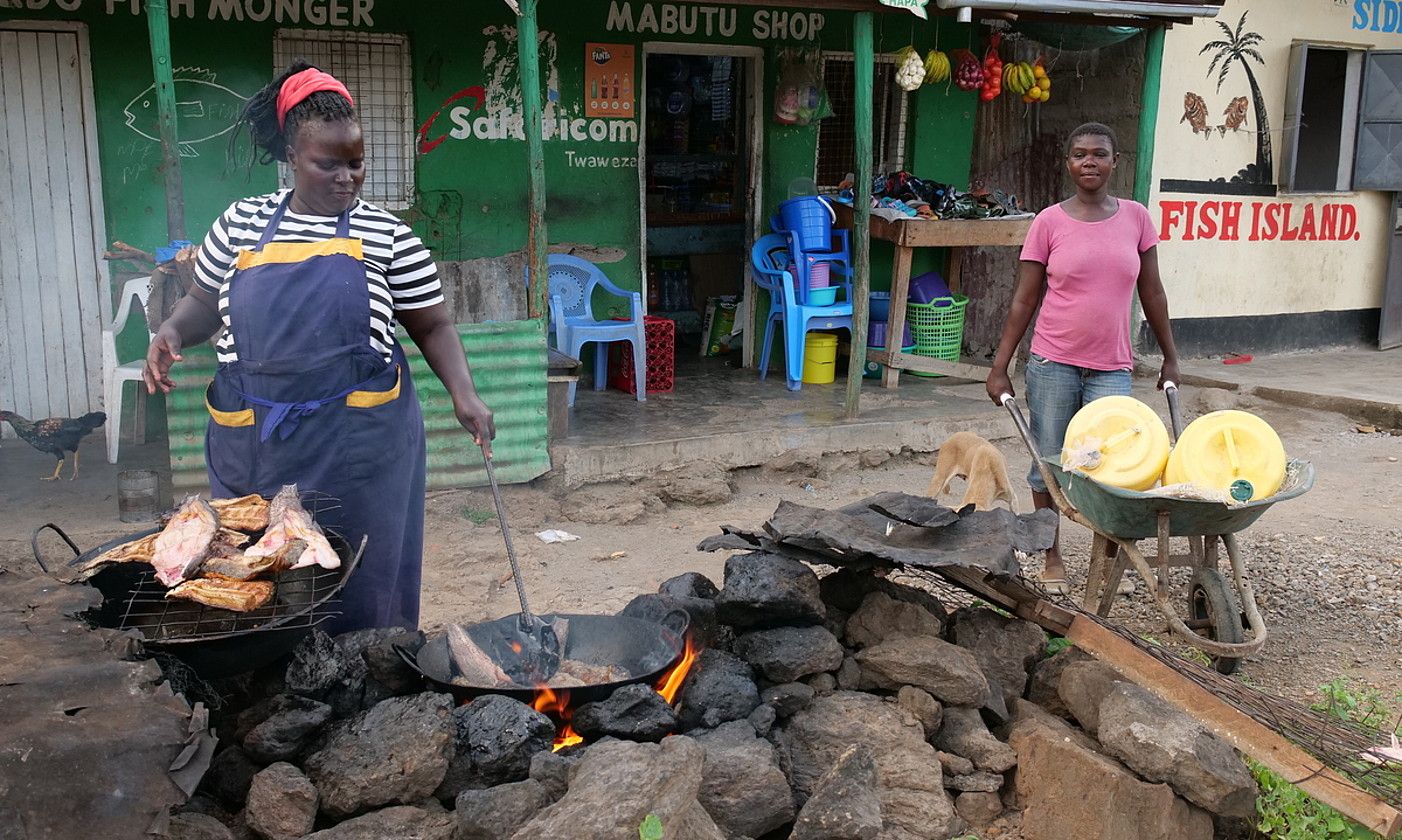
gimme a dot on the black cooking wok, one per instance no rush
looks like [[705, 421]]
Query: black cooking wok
[[646, 649], [213, 642]]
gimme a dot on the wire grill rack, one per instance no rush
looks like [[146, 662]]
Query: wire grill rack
[[303, 598]]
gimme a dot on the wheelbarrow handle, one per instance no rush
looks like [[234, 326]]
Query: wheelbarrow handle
[[1175, 415], [1010, 403]]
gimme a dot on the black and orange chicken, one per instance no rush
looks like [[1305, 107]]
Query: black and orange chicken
[[56, 435]]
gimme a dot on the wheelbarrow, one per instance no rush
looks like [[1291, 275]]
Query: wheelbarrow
[[1215, 625]]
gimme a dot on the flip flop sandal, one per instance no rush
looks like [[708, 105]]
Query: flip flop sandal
[[1126, 586], [1056, 586]]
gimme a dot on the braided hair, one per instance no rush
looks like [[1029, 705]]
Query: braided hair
[[259, 118]]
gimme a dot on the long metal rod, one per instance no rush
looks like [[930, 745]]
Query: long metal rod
[[158, 28], [1095, 7], [506, 535], [528, 56], [864, 64]]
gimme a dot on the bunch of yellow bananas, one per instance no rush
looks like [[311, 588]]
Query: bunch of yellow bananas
[[1019, 78], [1040, 91], [936, 67]]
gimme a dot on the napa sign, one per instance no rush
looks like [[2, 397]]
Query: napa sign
[[1377, 15]]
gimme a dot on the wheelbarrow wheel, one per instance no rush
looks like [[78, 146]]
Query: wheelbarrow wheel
[[1211, 605]]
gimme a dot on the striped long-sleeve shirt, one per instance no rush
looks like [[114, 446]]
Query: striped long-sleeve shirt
[[400, 270]]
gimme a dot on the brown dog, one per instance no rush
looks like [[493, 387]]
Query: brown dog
[[979, 462]]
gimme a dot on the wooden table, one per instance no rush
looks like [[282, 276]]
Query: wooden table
[[928, 233]]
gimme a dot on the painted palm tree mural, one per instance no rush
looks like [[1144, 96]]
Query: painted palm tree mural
[[1239, 47]]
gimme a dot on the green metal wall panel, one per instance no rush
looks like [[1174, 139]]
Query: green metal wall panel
[[508, 365]]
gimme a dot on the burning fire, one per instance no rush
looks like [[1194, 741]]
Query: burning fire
[[670, 684], [557, 705]]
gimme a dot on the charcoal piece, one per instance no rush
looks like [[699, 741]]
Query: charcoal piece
[[742, 786], [720, 687], [396, 753], [845, 804], [228, 777], [786, 654], [788, 698], [498, 811], [552, 769], [634, 712], [1006, 648], [285, 731], [706, 631], [763, 719], [317, 666], [495, 738], [388, 669], [766, 590], [689, 585], [282, 803]]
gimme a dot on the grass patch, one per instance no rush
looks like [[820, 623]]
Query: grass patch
[[478, 517]]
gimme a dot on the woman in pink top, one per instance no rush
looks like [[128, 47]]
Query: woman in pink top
[[1083, 260]]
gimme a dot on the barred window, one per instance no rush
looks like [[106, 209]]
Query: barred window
[[377, 71], [837, 134]]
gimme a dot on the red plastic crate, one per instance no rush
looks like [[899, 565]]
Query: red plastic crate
[[661, 335]]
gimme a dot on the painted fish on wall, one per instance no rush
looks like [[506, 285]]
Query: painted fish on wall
[[1195, 113], [204, 110], [1235, 114]]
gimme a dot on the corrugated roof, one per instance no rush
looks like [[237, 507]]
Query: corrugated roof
[[508, 366]]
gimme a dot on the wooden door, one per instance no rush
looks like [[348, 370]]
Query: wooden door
[[52, 282]]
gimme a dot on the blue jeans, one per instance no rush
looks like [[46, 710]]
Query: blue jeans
[[1055, 392]]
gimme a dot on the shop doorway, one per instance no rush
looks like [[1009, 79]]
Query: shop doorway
[[699, 170]]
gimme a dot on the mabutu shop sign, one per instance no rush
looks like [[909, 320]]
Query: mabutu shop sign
[[647, 18]]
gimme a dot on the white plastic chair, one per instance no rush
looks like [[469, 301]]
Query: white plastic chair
[[115, 376]]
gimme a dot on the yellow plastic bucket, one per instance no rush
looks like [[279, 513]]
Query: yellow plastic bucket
[[1232, 451], [1118, 441], [819, 358]]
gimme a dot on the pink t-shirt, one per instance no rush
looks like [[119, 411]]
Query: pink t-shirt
[[1092, 269]]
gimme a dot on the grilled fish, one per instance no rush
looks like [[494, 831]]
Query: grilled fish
[[235, 595], [246, 513], [474, 666], [288, 521], [229, 563], [136, 551], [228, 536], [186, 541]]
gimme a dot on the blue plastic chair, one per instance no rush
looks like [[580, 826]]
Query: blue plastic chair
[[572, 321], [772, 261]]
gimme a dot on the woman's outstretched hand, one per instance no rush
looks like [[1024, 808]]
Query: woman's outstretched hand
[[163, 352]]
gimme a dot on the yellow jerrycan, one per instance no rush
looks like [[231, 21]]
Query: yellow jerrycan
[[1235, 452], [1118, 441]]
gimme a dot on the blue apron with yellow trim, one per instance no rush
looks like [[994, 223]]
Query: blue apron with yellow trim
[[310, 402]]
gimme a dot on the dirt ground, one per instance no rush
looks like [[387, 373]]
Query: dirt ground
[[1328, 567]]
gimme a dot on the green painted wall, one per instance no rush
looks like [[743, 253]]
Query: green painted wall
[[471, 190]]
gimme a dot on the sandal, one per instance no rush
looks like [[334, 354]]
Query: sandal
[[1056, 585]]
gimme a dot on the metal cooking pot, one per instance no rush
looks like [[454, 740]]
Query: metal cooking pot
[[646, 649], [219, 643]]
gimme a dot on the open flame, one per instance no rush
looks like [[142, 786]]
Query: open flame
[[557, 704], [671, 682]]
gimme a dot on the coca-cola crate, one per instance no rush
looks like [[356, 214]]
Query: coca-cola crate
[[661, 335]]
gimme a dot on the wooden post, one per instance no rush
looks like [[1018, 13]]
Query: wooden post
[[158, 28], [864, 64], [528, 53]]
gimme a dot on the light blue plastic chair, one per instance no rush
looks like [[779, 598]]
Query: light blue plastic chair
[[572, 321], [771, 259]]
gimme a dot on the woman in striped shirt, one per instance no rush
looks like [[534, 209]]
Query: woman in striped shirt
[[312, 388]]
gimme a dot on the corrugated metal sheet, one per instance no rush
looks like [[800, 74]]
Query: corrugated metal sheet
[[508, 365]]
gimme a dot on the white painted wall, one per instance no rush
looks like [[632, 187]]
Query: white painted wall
[[1216, 277]]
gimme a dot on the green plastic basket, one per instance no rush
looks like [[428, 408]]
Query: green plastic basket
[[938, 329]]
